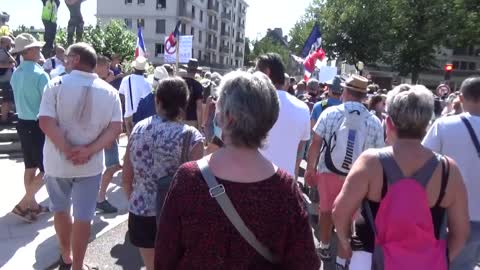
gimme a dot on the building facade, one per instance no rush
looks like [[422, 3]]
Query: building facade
[[217, 26], [466, 63]]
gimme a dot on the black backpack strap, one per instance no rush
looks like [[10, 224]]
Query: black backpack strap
[[54, 64], [130, 89], [445, 176], [473, 136]]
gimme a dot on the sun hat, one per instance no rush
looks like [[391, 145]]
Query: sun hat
[[356, 83], [26, 41], [140, 63]]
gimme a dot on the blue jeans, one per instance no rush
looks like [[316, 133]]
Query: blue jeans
[[468, 258]]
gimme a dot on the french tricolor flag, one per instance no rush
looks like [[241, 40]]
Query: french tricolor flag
[[312, 51], [140, 49]]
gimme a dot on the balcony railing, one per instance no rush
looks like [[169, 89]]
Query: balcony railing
[[213, 26], [238, 54], [224, 49], [239, 40], [212, 6], [227, 16], [212, 45], [227, 2], [225, 33]]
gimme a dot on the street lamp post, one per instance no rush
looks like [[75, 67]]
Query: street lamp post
[[360, 66]]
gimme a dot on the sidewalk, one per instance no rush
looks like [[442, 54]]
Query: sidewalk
[[34, 246]]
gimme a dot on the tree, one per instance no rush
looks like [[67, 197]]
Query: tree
[[417, 30], [107, 40], [267, 45], [402, 33], [247, 52]]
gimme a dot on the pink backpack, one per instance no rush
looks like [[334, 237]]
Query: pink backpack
[[405, 235]]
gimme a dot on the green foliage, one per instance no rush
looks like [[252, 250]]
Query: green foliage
[[267, 45], [107, 40], [402, 33]]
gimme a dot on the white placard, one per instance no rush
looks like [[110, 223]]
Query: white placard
[[185, 49], [326, 74]]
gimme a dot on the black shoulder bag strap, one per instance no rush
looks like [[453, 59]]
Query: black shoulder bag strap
[[130, 89], [217, 191], [473, 136]]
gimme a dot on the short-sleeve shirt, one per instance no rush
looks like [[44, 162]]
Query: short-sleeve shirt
[[155, 152], [49, 63], [196, 93], [318, 107], [292, 127], [28, 83], [140, 87], [83, 105], [330, 121], [449, 136]]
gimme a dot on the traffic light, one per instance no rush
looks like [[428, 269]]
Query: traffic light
[[448, 71]]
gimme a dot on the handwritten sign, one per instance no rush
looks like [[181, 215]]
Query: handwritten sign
[[185, 51]]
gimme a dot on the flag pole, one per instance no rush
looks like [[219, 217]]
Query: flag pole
[[177, 46]]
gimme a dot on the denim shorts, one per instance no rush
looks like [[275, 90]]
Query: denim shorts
[[111, 155], [79, 191]]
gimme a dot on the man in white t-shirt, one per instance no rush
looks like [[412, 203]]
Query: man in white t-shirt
[[133, 88], [292, 129], [80, 115], [56, 61], [450, 136]]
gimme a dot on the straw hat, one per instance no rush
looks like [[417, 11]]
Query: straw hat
[[140, 63], [356, 83], [26, 41]]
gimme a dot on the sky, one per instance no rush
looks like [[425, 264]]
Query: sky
[[261, 14]]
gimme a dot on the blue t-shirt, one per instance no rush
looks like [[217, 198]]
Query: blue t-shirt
[[318, 108], [28, 83]]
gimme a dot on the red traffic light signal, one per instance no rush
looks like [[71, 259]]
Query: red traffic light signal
[[448, 67]]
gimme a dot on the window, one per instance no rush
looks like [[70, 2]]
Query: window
[[128, 2], [141, 23], [455, 64], [193, 12], [222, 60], [201, 15], [236, 63], [472, 66], [183, 28], [199, 55], [128, 23], [161, 4], [463, 65], [200, 36], [160, 27], [159, 49], [141, 2], [192, 31]]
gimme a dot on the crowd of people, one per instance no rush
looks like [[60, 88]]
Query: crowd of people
[[211, 166]]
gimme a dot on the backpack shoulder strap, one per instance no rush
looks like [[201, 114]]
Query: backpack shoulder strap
[[473, 136], [424, 174], [130, 90], [217, 191], [391, 170], [445, 176]]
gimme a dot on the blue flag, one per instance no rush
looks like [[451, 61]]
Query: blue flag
[[313, 41]]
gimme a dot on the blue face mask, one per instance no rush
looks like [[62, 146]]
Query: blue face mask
[[216, 130]]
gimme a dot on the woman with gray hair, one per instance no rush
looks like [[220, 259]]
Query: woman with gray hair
[[427, 182], [195, 232]]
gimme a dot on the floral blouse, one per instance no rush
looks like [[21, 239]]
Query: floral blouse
[[155, 152]]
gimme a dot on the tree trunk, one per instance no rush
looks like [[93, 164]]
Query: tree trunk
[[415, 75]]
